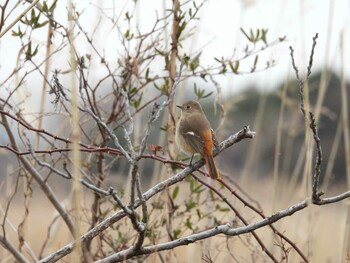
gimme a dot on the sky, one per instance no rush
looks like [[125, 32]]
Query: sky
[[298, 20], [218, 34]]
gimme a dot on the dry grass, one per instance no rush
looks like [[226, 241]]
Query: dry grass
[[318, 231]]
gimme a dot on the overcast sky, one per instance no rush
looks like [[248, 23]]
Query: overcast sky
[[298, 20], [218, 31]]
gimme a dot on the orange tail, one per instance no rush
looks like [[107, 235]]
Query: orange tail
[[211, 167]]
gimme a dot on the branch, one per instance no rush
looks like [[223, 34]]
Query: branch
[[243, 134], [261, 214], [13, 250], [221, 229], [37, 176], [312, 122], [18, 18], [260, 242]]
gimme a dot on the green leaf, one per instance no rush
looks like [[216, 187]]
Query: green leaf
[[234, 67], [175, 192], [257, 35], [158, 205], [207, 95], [19, 33], [194, 63], [38, 25], [281, 39], [255, 63], [218, 60], [199, 214], [137, 102], [147, 75], [263, 36], [246, 35], [188, 223], [198, 189], [222, 209], [256, 60], [35, 51], [191, 185], [190, 203], [53, 6], [176, 233]]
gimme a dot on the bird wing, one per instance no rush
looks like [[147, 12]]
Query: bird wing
[[192, 137]]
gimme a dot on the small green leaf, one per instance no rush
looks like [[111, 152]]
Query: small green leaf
[[53, 6], [198, 189], [218, 60], [263, 36], [255, 63], [222, 209], [256, 60], [147, 75], [137, 102], [176, 233], [199, 214], [194, 63], [38, 25], [257, 35], [19, 33], [281, 39], [158, 205], [127, 16], [188, 223], [246, 35], [234, 67], [207, 95], [190, 203], [175, 192]]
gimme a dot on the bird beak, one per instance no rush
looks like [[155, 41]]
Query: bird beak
[[180, 107]]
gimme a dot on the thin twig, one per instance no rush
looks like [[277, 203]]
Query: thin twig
[[107, 222], [312, 122], [13, 250], [317, 170], [14, 22], [257, 238], [220, 229], [261, 214]]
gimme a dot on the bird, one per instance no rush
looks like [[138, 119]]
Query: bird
[[193, 134]]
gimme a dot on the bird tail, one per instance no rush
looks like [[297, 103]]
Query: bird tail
[[211, 167]]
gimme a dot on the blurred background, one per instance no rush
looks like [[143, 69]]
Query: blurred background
[[238, 66]]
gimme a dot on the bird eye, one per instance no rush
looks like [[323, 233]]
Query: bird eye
[[188, 107]]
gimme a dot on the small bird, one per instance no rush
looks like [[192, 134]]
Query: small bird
[[195, 135]]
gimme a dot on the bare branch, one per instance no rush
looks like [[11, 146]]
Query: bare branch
[[244, 133], [13, 250], [14, 22], [312, 122], [221, 229]]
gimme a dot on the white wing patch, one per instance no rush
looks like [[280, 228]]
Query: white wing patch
[[190, 133]]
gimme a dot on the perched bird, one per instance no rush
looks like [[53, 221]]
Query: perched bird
[[195, 135]]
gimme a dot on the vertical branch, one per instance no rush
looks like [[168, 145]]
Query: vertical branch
[[172, 72], [37, 176], [14, 22], [46, 72], [300, 81], [312, 122], [346, 134], [13, 250], [77, 253], [317, 170], [2, 16]]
